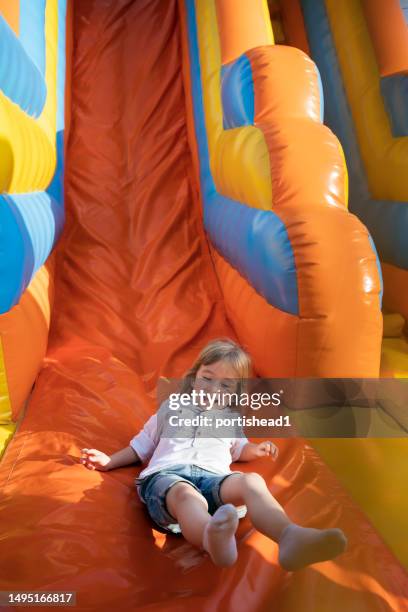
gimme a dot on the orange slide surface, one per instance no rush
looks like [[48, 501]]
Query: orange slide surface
[[137, 298]]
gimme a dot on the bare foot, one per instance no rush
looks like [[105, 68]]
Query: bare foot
[[219, 536], [301, 546]]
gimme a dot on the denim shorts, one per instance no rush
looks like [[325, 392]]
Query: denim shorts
[[152, 491]]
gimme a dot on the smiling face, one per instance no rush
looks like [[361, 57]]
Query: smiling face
[[216, 378]]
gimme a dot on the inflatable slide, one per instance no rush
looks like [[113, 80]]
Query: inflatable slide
[[167, 178]]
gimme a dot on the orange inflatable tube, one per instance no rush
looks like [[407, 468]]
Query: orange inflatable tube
[[389, 35], [293, 25]]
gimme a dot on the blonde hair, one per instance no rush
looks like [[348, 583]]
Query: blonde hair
[[220, 349]]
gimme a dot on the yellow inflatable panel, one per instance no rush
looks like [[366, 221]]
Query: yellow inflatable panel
[[394, 357], [374, 471], [29, 153], [393, 325], [6, 156], [6, 433], [5, 406], [241, 167], [48, 119]]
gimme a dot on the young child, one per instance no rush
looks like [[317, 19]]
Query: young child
[[188, 479]]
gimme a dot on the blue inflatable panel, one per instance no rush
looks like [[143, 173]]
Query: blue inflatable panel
[[29, 227], [20, 80], [394, 91], [404, 6], [32, 31], [237, 89]]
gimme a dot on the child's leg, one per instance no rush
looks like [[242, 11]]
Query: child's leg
[[298, 546], [216, 534]]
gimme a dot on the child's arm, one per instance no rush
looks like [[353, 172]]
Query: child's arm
[[97, 460], [253, 451], [140, 449]]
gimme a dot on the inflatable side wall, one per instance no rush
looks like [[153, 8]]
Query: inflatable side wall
[[32, 138], [361, 49], [299, 273]]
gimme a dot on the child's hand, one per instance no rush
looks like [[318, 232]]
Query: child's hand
[[267, 448], [94, 459]]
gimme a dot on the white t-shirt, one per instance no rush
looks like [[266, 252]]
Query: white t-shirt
[[158, 442]]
